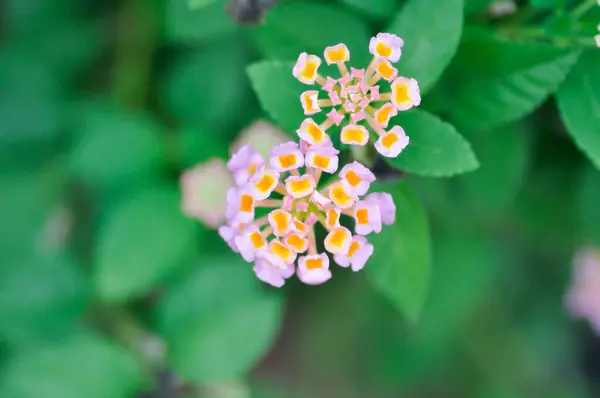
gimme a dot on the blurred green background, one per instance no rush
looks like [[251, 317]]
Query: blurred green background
[[107, 290]]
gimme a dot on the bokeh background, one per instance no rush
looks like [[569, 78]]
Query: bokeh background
[[108, 290]]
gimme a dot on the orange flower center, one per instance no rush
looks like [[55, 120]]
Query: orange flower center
[[352, 178], [383, 115], [281, 219], [310, 105], [295, 241], [402, 94], [338, 237], [287, 160], [315, 132], [300, 226], [257, 240], [300, 185], [280, 250], [362, 215], [310, 69], [385, 69], [313, 263], [332, 218], [246, 203], [265, 183], [353, 248], [383, 50], [389, 140], [337, 55], [340, 195], [252, 168], [321, 162], [354, 135]]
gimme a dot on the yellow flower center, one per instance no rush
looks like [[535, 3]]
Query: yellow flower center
[[310, 104], [362, 215], [252, 168], [300, 226], [246, 203], [383, 115], [295, 241], [265, 183], [300, 185], [321, 162], [383, 50], [385, 69], [280, 250], [389, 140], [402, 94], [281, 219], [314, 263], [339, 195], [338, 237], [257, 240], [310, 70], [338, 55], [354, 135], [332, 218], [352, 178], [353, 248], [315, 132], [287, 160]]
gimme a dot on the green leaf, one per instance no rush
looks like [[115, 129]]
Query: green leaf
[[196, 4], [116, 147], [466, 266], [547, 4], [504, 156], [141, 241], [401, 264], [278, 92], [84, 366], [588, 209], [217, 321], [431, 31], [197, 145], [191, 26], [473, 6], [547, 199], [511, 79], [293, 27], [63, 48], [579, 104], [24, 16], [380, 9], [436, 149], [32, 309], [209, 88], [29, 88], [26, 201]]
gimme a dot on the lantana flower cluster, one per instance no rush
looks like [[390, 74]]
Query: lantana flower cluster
[[356, 97], [277, 202]]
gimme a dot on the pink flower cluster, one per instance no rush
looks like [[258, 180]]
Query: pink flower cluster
[[583, 296], [288, 186], [276, 203], [356, 94]]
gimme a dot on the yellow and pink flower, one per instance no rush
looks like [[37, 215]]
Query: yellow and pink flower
[[356, 94], [283, 242]]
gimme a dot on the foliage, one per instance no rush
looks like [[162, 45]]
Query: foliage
[[105, 283]]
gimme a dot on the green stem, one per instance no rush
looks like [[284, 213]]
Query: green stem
[[582, 9], [535, 33], [521, 16], [125, 328]]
